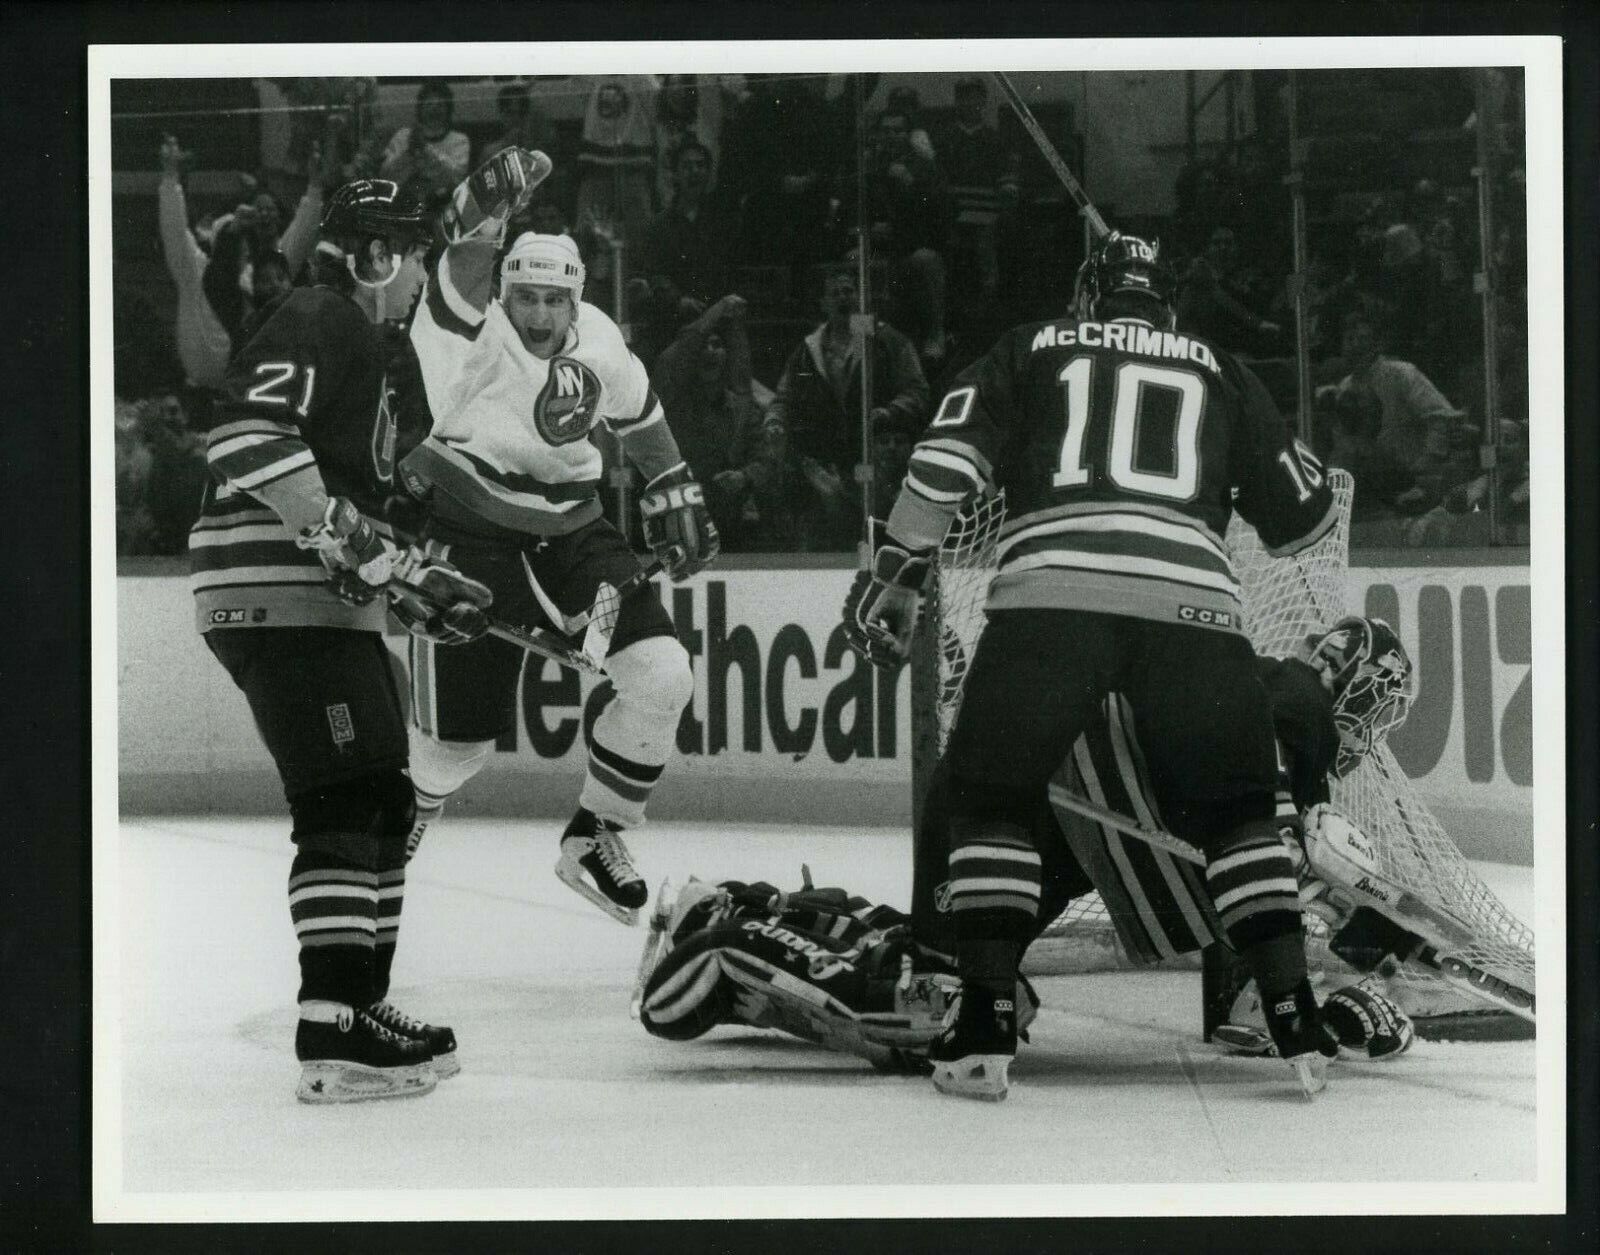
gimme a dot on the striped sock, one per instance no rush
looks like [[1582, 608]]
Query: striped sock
[[617, 787], [334, 906], [994, 884], [391, 894], [1253, 885]]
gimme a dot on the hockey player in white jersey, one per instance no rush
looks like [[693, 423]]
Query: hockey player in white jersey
[[509, 481]]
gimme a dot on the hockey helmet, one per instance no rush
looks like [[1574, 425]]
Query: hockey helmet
[[1366, 668], [1125, 266], [368, 207], [551, 260]]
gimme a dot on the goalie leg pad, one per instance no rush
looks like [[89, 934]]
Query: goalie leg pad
[[687, 994]]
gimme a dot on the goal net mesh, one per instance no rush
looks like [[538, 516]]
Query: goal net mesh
[[1285, 600]]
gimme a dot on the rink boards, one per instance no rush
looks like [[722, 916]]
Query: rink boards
[[786, 723]]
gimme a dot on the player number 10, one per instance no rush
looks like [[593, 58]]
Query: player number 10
[[1131, 380]]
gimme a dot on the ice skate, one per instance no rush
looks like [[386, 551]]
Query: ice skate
[[440, 1040], [973, 1058], [347, 1056], [595, 863], [1301, 1037]]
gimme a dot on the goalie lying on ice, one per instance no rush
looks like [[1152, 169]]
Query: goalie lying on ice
[[819, 964], [871, 981]]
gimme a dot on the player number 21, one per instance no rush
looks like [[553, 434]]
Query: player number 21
[[1181, 483], [276, 379]]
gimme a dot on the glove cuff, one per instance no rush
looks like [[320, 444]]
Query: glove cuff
[[893, 564]]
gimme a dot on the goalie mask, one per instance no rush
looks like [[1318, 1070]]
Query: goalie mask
[[1124, 274], [1364, 665]]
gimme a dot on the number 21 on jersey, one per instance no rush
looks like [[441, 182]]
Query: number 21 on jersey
[[1132, 379], [276, 383]]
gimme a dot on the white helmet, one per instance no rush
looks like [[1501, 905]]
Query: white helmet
[[550, 260]]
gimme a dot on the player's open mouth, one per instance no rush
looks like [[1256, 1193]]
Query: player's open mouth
[[536, 335]]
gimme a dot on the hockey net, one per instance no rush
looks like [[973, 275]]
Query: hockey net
[[1285, 600]]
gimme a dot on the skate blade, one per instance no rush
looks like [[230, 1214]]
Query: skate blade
[[628, 915], [974, 1076], [337, 1081], [1312, 1072], [446, 1065]]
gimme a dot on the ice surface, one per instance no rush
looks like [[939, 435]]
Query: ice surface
[[560, 1088]]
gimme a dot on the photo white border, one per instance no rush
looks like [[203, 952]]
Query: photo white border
[[1539, 56]]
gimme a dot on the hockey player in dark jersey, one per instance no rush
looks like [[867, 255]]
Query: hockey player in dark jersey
[[1123, 447], [293, 577], [871, 981]]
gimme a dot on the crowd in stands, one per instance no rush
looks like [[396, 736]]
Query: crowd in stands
[[716, 215]]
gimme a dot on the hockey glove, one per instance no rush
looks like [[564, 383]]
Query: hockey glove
[[881, 609], [434, 600], [492, 195], [1367, 1021], [677, 525], [359, 561]]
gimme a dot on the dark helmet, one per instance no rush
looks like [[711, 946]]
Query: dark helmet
[[368, 207], [1125, 266], [1373, 683]]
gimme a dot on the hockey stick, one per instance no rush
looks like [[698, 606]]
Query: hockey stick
[[547, 644], [1455, 970], [1097, 224], [1096, 813]]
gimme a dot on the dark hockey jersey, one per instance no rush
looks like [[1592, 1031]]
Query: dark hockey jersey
[[309, 388], [1308, 741], [1123, 450]]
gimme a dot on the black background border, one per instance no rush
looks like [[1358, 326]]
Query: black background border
[[44, 694]]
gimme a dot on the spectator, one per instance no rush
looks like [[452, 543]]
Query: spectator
[[1385, 487], [521, 123], [1463, 517], [1418, 427], [1448, 315], [132, 455], [203, 340], [657, 308], [815, 418], [616, 162], [779, 149], [688, 111], [429, 157], [703, 380], [272, 281], [688, 241], [894, 435], [904, 102], [1211, 300], [176, 475], [909, 207], [983, 182]]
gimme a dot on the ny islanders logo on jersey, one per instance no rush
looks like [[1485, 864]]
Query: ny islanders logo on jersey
[[568, 403]]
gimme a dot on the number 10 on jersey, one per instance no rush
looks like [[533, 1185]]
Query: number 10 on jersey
[[1132, 379]]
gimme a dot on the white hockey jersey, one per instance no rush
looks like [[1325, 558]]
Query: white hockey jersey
[[510, 440]]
